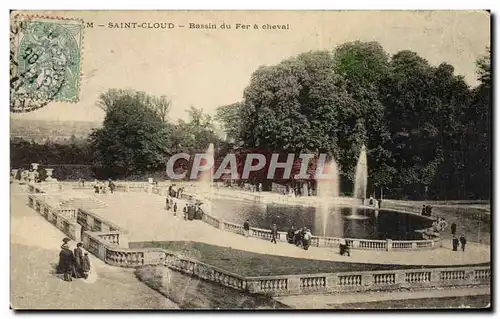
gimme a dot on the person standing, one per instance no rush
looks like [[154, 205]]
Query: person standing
[[290, 235], [78, 254], [307, 238], [463, 241], [423, 213], [274, 233], [246, 228], [175, 208], [455, 243], [86, 265], [453, 228], [66, 262]]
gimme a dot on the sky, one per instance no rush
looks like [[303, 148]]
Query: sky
[[210, 68]]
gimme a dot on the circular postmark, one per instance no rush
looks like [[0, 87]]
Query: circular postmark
[[41, 58]]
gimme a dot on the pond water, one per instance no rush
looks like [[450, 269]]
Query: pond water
[[337, 222]]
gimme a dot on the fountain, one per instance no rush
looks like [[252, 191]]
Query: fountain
[[361, 177], [360, 182], [327, 189], [206, 181]]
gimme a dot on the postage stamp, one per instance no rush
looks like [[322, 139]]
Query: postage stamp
[[45, 61]]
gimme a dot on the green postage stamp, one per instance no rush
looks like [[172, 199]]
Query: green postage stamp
[[45, 58]]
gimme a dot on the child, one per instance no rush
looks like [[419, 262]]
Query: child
[[85, 265]]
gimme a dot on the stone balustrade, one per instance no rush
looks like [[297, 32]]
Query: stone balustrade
[[212, 221], [64, 220], [370, 280], [68, 213], [110, 244]]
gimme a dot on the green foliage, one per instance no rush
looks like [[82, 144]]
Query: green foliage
[[133, 138], [422, 125]]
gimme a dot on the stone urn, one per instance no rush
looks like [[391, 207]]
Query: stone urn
[[49, 174], [150, 180], [14, 173], [34, 166]]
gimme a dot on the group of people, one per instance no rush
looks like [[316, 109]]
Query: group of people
[[73, 264], [440, 224], [175, 193], [101, 187], [426, 210], [299, 237], [190, 210]]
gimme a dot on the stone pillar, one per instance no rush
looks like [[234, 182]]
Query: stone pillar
[[293, 284], [123, 240], [331, 282], [367, 280], [389, 244], [355, 244]]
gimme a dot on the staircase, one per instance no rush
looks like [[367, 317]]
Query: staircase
[[83, 203]]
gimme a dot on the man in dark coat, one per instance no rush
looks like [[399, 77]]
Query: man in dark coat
[[246, 228], [453, 229], [463, 241], [455, 243], [66, 262], [274, 233], [423, 213], [78, 253], [290, 235]]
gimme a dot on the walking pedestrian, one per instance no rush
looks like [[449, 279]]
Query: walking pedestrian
[[274, 233], [175, 209], [246, 228], [453, 228], [463, 241], [455, 243]]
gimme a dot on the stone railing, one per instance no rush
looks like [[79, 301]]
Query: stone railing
[[370, 280], [328, 242], [316, 241], [64, 219], [212, 221], [110, 244]]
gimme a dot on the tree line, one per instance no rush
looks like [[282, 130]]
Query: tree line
[[427, 132]]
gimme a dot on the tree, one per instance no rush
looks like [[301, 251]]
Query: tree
[[363, 65], [478, 130], [230, 119], [133, 139], [161, 105]]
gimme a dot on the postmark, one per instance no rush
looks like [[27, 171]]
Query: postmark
[[45, 61]]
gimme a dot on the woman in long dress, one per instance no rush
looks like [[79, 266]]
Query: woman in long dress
[[66, 262]]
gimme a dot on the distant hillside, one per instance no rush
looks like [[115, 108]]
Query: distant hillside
[[57, 131]]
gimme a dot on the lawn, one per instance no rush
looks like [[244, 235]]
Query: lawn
[[252, 264]]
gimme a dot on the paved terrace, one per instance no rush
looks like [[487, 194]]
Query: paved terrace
[[35, 252], [146, 219]]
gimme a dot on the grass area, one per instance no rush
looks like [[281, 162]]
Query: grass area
[[252, 264], [481, 301], [194, 293]]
